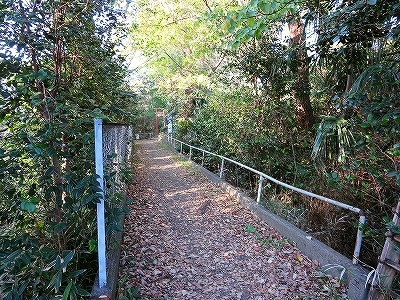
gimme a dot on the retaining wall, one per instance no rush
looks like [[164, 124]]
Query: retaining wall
[[355, 276]]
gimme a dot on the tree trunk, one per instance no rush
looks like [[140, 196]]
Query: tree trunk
[[301, 90], [349, 81], [56, 211]]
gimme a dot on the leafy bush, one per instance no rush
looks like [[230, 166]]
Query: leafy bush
[[59, 71]]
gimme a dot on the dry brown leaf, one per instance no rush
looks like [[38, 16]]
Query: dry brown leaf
[[186, 239]]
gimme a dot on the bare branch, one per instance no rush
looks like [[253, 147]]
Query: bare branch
[[178, 64], [208, 6]]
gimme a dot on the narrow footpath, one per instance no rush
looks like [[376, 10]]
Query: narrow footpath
[[187, 239]]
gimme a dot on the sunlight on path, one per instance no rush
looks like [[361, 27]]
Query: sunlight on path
[[186, 239]]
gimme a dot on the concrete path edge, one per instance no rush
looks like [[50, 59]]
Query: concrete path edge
[[354, 277]]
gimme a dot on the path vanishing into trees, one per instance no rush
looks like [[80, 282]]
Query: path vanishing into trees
[[185, 238]]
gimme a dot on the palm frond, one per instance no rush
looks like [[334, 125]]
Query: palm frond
[[385, 73], [332, 140]]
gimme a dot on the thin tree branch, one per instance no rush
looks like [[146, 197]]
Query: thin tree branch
[[175, 22], [208, 6], [178, 64]]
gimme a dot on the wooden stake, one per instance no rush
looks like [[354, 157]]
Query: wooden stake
[[386, 272]]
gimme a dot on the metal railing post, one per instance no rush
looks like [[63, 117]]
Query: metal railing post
[[293, 188], [181, 147], [260, 186], [101, 224], [221, 172], [357, 247]]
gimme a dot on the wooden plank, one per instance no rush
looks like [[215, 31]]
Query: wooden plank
[[392, 264], [380, 290], [390, 293], [393, 236]]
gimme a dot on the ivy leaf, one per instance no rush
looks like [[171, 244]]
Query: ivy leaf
[[253, 3], [250, 229], [265, 7], [385, 120], [28, 206], [41, 75], [60, 227], [251, 21], [226, 26], [252, 13], [92, 245]]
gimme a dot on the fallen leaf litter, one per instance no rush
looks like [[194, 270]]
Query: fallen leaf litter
[[186, 239]]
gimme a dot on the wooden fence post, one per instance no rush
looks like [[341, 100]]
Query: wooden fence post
[[388, 264]]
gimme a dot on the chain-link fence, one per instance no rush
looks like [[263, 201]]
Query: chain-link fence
[[117, 145], [113, 144]]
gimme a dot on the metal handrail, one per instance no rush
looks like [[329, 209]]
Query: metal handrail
[[138, 134], [263, 176]]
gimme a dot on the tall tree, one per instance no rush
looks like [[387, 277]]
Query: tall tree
[[181, 46], [302, 84], [358, 48], [260, 18]]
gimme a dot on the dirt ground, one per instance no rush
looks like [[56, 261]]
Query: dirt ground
[[187, 239]]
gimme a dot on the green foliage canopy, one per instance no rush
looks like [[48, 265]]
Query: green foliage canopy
[[59, 70]]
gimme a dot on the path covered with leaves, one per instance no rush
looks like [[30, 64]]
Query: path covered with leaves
[[187, 239]]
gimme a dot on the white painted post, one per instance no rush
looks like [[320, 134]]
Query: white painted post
[[101, 226], [357, 247], [190, 153], [202, 160], [181, 147], [221, 171], [260, 186]]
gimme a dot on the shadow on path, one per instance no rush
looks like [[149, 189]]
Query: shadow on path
[[187, 239]]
